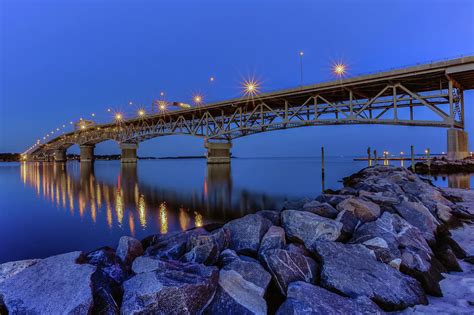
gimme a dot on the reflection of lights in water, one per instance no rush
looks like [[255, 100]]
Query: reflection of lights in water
[[163, 218], [109, 215], [93, 211], [131, 223], [136, 194], [142, 211], [82, 205], [183, 219], [23, 173], [57, 195], [119, 206], [198, 219], [99, 196]]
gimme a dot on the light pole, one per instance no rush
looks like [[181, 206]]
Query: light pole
[[301, 67]]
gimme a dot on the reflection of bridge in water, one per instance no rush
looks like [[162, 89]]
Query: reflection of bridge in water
[[126, 201]]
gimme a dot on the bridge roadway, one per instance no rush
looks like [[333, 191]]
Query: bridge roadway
[[429, 95]]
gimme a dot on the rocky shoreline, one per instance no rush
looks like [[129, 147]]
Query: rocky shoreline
[[381, 243], [445, 166]]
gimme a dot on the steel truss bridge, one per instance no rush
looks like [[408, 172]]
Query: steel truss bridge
[[425, 95]]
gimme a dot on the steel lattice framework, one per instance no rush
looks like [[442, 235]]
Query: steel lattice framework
[[429, 95]]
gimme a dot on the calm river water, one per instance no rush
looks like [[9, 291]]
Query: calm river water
[[46, 209]]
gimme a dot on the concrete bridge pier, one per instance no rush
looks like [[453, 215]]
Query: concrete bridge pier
[[457, 144], [87, 152], [218, 152], [60, 156], [129, 152]]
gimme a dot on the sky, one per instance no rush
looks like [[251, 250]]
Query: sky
[[62, 60]]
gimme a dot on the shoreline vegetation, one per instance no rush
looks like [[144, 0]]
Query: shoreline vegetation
[[380, 243]]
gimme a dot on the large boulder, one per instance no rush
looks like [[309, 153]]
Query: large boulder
[[332, 199], [128, 249], [247, 232], [205, 249], [107, 280], [304, 298], [287, 267], [171, 246], [364, 210], [9, 269], [274, 238], [323, 209], [242, 285], [272, 215], [176, 288], [351, 270], [401, 245], [54, 285], [418, 215], [307, 227]]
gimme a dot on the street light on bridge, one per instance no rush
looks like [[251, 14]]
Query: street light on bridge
[[339, 69], [251, 87], [118, 117], [141, 112], [197, 99]]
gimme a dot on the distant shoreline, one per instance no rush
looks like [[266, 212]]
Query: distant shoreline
[[15, 157]]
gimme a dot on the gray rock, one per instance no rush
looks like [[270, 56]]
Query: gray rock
[[349, 223], [273, 239], [247, 232], [333, 200], [179, 288], [205, 249], [321, 209], [295, 204], [272, 215], [54, 285], [287, 267], [107, 280], [147, 263], [418, 215], [364, 210], [304, 298], [396, 242], [128, 249], [9, 269], [173, 245], [350, 269], [307, 227], [242, 285], [298, 248]]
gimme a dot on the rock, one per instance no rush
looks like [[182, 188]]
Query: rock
[[399, 244], [307, 227], [418, 215], [321, 209], [364, 210], [272, 215], [9, 269], [273, 239], [446, 256], [107, 280], [128, 249], [242, 285], [349, 224], [171, 246], [179, 288], [146, 264], [298, 248], [106, 260], [287, 267], [246, 233], [304, 298], [386, 286], [205, 249], [469, 259], [54, 285], [295, 204], [333, 200], [443, 212]]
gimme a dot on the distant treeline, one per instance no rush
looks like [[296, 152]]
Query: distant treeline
[[10, 157]]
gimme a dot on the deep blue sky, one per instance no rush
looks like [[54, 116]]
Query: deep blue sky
[[61, 60]]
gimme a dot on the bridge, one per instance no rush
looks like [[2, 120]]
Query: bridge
[[430, 95]]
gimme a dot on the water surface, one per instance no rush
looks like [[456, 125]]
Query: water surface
[[48, 208]]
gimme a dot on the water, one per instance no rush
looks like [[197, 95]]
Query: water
[[48, 208]]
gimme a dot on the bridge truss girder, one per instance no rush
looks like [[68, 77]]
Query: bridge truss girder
[[446, 105]]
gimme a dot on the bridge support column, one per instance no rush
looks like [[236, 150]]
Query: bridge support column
[[60, 155], [87, 152], [218, 152], [457, 144], [129, 152]]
